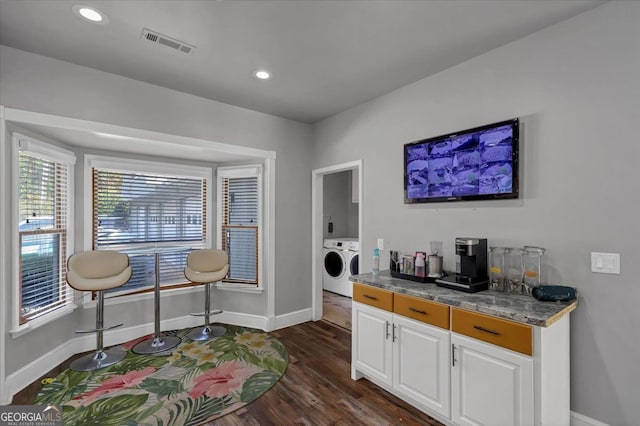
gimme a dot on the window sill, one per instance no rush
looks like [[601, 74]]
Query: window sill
[[240, 288], [43, 320]]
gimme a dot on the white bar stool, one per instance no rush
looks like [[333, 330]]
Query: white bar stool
[[98, 271], [206, 266]]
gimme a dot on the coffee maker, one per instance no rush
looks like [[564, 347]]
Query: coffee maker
[[471, 266]]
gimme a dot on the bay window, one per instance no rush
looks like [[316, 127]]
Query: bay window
[[240, 218], [44, 187], [138, 204]]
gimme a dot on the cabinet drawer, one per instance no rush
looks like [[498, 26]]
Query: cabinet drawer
[[422, 310], [373, 296], [505, 333]]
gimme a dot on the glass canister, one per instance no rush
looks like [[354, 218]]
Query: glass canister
[[513, 268], [532, 267], [496, 268]]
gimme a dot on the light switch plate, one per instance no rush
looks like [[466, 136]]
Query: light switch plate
[[605, 263], [380, 244]]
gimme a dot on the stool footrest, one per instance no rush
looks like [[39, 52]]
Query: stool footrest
[[93, 330], [202, 314]]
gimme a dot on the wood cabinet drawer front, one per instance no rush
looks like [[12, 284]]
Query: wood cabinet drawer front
[[505, 333], [422, 310], [373, 296]]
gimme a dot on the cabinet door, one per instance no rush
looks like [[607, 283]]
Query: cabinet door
[[421, 363], [371, 341], [490, 385]]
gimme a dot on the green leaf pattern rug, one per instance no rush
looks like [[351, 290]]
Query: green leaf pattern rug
[[195, 383]]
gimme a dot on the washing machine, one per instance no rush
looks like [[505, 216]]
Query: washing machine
[[340, 260]]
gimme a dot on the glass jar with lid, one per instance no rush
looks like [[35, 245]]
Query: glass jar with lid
[[513, 269], [496, 268], [532, 267]]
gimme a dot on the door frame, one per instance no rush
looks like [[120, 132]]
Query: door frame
[[317, 193]]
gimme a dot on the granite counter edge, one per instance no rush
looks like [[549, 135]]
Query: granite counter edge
[[472, 306]]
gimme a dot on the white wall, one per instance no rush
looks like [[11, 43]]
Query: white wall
[[36, 83], [338, 207], [576, 87], [353, 209]]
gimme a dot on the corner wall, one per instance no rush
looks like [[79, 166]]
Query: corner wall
[[575, 87]]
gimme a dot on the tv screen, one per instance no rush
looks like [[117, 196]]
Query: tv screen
[[473, 164]]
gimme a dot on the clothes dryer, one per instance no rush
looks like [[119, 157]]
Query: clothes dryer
[[340, 260]]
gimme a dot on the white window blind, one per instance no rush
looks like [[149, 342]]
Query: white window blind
[[43, 228], [131, 209], [240, 217]]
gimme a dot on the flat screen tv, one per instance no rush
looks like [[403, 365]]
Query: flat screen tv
[[474, 164]]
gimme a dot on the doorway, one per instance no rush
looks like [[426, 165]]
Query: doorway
[[319, 225]]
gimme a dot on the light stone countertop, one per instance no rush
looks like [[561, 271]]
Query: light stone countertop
[[515, 307]]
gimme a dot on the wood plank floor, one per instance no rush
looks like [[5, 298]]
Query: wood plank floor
[[336, 309], [316, 390]]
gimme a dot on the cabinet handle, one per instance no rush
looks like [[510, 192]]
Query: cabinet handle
[[369, 297], [387, 322], [486, 330], [453, 355], [394, 333], [417, 311]]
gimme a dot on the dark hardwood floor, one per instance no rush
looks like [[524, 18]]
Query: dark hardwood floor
[[316, 390]]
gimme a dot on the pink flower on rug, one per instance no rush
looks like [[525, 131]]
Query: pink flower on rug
[[116, 383], [223, 380]]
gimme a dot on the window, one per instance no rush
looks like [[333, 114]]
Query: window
[[240, 221], [44, 188], [143, 204]]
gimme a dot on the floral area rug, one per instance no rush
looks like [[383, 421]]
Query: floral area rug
[[195, 383]]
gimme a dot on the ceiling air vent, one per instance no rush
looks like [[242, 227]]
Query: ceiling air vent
[[158, 38]]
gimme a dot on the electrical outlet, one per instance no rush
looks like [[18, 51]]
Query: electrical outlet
[[380, 244], [605, 263]]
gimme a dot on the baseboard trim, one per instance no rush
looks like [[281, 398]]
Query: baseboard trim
[[35, 369], [578, 419], [243, 320], [293, 318], [31, 372]]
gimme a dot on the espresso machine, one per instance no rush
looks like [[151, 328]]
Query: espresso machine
[[471, 266]]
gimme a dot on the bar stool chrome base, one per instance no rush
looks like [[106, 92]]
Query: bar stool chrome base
[[207, 266], [83, 275], [206, 332], [156, 345], [98, 360]]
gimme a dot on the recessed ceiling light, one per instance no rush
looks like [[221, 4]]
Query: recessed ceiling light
[[262, 75], [90, 14]]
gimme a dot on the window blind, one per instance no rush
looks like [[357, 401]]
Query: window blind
[[240, 227], [43, 232], [132, 209]]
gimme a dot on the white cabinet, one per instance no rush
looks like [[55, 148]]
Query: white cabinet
[[407, 356], [462, 367], [421, 368], [371, 341], [490, 385]]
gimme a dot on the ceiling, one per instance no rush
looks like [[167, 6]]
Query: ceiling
[[325, 56]]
